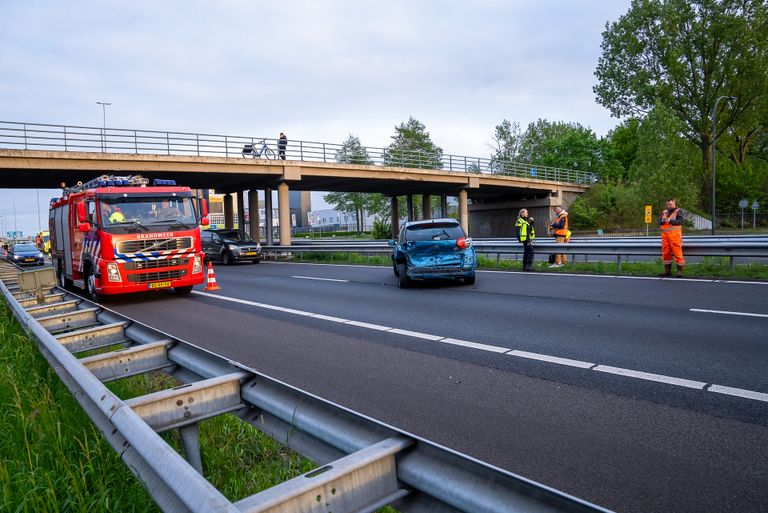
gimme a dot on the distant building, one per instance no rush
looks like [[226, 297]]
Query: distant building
[[333, 220]]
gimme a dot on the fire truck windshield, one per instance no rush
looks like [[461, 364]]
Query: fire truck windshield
[[151, 213]]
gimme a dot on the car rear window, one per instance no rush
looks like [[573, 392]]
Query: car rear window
[[441, 231]]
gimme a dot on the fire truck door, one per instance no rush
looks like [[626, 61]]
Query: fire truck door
[[77, 238]]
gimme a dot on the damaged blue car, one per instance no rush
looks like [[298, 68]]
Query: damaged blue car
[[433, 249]]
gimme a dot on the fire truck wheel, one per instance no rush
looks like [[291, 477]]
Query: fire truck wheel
[[183, 291], [64, 283], [90, 287]]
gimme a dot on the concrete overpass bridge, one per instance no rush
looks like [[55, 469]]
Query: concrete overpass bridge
[[489, 193]]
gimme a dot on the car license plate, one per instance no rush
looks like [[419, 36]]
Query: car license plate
[[29, 259], [160, 285], [250, 253]]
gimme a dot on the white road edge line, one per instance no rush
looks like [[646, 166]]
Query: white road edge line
[[660, 378], [725, 312], [318, 279]]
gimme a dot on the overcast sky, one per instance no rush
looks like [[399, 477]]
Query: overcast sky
[[316, 70]]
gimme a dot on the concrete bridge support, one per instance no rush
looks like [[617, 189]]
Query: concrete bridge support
[[464, 210], [426, 206], [268, 216], [409, 207], [394, 216], [284, 214], [443, 205], [253, 213], [229, 214], [241, 212]]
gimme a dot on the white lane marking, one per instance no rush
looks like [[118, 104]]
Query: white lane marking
[[408, 333], [475, 345], [739, 392], [318, 279], [651, 377], [726, 312], [552, 359], [617, 277], [698, 385]]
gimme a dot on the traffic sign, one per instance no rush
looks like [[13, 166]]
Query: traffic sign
[[648, 214]]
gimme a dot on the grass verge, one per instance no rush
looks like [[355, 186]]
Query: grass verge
[[709, 267]]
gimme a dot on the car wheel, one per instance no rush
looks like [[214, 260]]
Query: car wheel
[[403, 281], [226, 259], [394, 268], [182, 291], [469, 280]]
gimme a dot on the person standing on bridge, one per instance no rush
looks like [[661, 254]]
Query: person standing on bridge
[[525, 235], [282, 143], [562, 234], [671, 224]]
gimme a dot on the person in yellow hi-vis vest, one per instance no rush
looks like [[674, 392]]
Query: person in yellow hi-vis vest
[[671, 224], [117, 216], [525, 235]]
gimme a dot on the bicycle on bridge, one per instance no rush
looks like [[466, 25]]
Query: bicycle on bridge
[[250, 150]]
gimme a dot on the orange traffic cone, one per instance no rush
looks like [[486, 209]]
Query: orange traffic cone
[[210, 283]]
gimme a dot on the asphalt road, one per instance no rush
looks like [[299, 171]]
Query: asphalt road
[[610, 389]]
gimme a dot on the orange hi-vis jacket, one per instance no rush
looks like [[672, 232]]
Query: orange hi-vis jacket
[[563, 230]]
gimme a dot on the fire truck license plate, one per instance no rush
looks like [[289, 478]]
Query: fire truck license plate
[[160, 285]]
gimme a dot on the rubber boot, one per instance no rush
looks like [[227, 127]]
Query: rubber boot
[[680, 270], [667, 270]]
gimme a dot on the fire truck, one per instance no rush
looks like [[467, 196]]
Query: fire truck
[[119, 234]]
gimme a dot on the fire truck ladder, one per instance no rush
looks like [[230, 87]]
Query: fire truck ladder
[[363, 464]]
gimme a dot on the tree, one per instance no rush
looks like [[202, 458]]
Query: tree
[[412, 147], [353, 152], [508, 139], [684, 54]]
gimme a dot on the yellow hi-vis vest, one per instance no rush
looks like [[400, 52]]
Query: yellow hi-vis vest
[[525, 229]]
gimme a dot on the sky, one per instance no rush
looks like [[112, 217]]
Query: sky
[[318, 71]]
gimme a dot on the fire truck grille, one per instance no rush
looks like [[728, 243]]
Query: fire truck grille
[[148, 245], [157, 276], [153, 264]]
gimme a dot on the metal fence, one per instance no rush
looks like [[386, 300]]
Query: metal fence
[[364, 464], [36, 136], [622, 249]]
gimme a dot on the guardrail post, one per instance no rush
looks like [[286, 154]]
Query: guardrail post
[[197, 140], [190, 439], [168, 143], [450, 162], [65, 139], [135, 142], [25, 136], [324, 153], [226, 147], [301, 150], [618, 263], [732, 264]]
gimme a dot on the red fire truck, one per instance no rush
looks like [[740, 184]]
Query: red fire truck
[[118, 234]]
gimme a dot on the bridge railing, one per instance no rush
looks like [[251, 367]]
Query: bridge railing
[[37, 136]]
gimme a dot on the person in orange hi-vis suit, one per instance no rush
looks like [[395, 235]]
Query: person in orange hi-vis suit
[[671, 223]]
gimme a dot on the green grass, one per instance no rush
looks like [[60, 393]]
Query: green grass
[[709, 267]]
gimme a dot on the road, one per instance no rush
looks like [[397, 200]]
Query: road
[[637, 394]]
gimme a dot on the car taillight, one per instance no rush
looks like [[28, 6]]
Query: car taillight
[[464, 242]]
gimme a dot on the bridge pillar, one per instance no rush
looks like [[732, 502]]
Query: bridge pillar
[[241, 212], [426, 206], [443, 205], [284, 214], [394, 216], [409, 207], [268, 216], [229, 213], [464, 210], [253, 213]]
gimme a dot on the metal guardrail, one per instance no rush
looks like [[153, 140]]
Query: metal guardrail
[[37, 136], [621, 248], [364, 464]]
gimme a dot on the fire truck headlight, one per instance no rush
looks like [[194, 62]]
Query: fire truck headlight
[[197, 265], [112, 272]]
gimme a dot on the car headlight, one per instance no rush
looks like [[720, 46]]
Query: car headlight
[[197, 265], [16, 257], [40, 255], [233, 248], [113, 272]]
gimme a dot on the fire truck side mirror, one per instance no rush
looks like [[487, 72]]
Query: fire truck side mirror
[[204, 221], [84, 227], [81, 216], [204, 207]]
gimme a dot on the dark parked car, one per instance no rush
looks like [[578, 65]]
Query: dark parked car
[[230, 246], [25, 254], [433, 249]]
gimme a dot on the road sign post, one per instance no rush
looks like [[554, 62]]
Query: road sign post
[[755, 206], [742, 205], [648, 217]]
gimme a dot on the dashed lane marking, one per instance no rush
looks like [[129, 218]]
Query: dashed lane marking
[[319, 279], [726, 312], [556, 360]]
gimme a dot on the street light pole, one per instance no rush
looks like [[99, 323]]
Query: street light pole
[[714, 153], [104, 129]]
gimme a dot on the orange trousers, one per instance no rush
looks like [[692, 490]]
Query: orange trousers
[[672, 246]]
